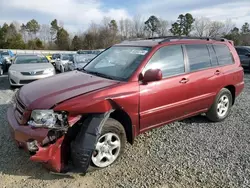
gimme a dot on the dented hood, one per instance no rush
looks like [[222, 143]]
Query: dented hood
[[47, 92]]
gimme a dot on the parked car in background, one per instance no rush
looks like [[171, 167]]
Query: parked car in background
[[244, 54], [2, 65], [7, 57], [61, 63], [79, 61], [85, 117], [28, 68], [54, 57], [49, 57]]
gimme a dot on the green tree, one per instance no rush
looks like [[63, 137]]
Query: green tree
[[32, 27], [76, 43], [245, 28], [152, 25], [183, 25], [234, 35], [54, 29], [62, 39], [16, 42]]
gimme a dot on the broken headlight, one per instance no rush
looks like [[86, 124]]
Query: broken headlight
[[48, 119]]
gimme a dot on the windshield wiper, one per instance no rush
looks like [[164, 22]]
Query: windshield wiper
[[99, 74]]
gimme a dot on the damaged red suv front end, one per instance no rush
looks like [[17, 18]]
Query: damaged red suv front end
[[45, 141]]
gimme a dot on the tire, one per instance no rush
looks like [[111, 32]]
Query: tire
[[61, 69], [220, 109], [111, 128]]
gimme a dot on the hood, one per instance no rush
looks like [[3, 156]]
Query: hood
[[30, 67], [47, 92]]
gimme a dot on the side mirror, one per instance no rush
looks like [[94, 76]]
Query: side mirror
[[248, 54], [152, 75]]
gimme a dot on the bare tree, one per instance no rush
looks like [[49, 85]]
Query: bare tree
[[137, 26], [228, 26], [163, 30], [128, 28], [121, 27], [44, 33], [215, 29], [201, 26]]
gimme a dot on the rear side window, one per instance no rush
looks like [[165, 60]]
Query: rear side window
[[213, 58], [198, 56], [223, 54], [169, 60]]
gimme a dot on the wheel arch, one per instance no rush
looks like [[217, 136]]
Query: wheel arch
[[232, 89]]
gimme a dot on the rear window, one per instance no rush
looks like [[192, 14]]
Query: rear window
[[223, 54], [213, 57], [198, 56]]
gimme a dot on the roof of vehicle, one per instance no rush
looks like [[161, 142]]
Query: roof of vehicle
[[150, 42], [248, 47], [29, 55]]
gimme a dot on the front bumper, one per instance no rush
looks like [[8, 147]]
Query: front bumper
[[50, 155], [18, 79]]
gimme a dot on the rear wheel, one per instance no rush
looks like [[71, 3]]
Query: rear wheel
[[1, 71], [221, 106]]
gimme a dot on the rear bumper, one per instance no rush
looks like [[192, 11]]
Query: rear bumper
[[239, 88]]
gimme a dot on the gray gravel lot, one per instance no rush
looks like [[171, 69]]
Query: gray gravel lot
[[188, 153]]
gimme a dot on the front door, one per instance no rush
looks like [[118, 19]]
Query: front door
[[165, 100]]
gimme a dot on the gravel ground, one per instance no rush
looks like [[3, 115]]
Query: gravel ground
[[188, 153]]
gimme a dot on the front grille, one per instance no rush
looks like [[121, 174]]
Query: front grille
[[20, 110], [12, 81], [26, 81], [32, 73]]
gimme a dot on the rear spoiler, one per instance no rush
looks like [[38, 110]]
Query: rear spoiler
[[231, 42]]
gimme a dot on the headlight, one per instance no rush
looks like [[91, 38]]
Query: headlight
[[47, 71], [48, 119], [12, 72]]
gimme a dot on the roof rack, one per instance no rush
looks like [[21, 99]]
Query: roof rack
[[169, 38]]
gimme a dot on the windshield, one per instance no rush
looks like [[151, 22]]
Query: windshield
[[80, 59], [118, 62], [55, 56], [5, 54], [67, 56], [30, 59]]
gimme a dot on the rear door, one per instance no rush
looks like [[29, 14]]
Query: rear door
[[165, 100], [205, 77]]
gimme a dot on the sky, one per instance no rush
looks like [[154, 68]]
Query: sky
[[76, 15]]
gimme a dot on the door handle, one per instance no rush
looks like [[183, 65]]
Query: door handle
[[184, 80], [217, 72]]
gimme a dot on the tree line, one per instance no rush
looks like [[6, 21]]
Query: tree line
[[32, 35]]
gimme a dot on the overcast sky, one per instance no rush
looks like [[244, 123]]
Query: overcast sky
[[76, 15]]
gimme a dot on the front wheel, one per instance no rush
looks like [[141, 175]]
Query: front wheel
[[109, 147], [61, 69], [221, 106]]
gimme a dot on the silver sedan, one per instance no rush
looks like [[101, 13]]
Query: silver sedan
[[28, 68]]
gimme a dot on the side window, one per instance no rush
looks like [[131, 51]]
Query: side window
[[169, 60], [223, 54], [213, 58], [198, 56]]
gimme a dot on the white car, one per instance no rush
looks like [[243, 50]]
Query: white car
[[61, 63], [79, 61]]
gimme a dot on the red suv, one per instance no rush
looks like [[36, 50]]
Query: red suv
[[85, 117]]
